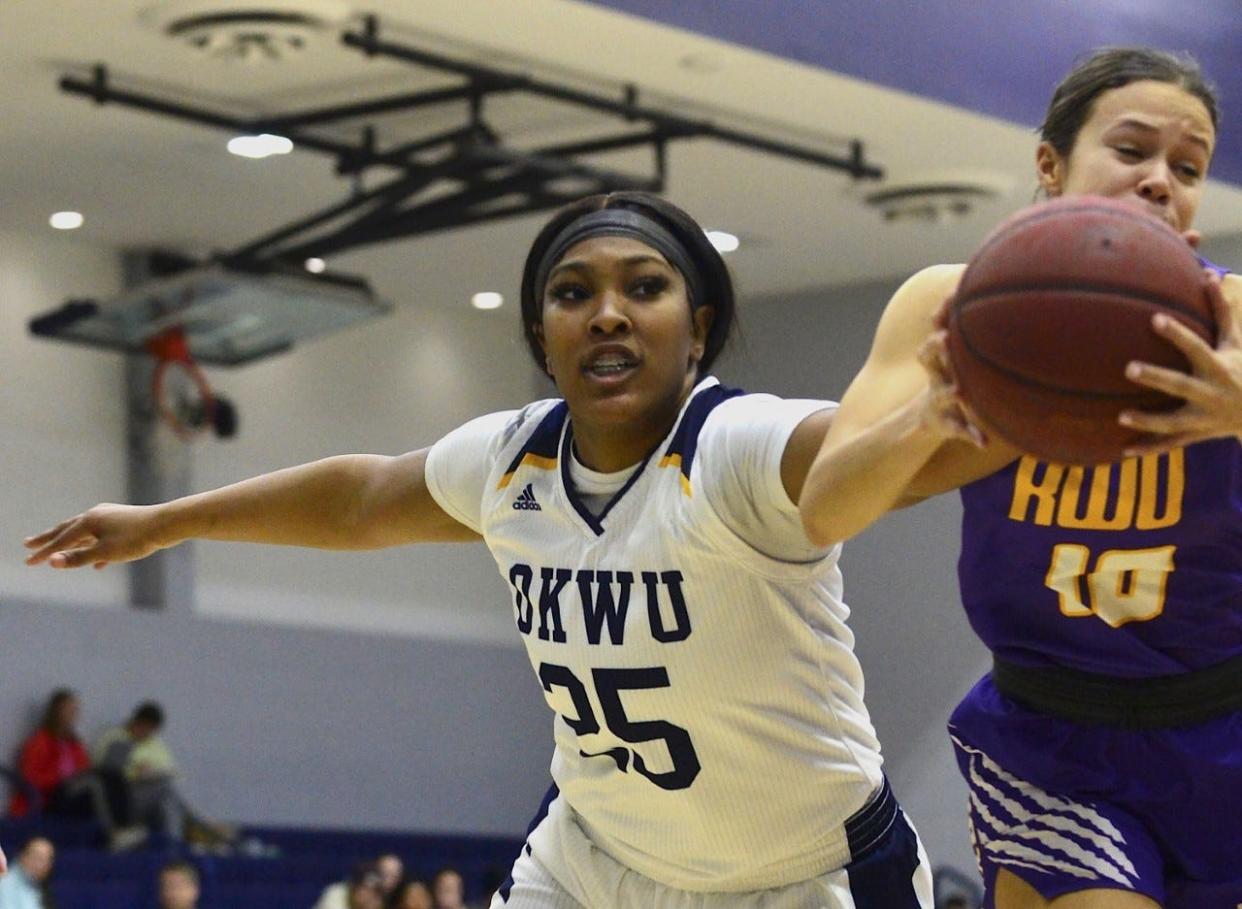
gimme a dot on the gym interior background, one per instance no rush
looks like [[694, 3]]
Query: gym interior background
[[388, 691]]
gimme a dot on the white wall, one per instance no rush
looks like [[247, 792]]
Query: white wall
[[1226, 251], [391, 385], [388, 386], [61, 410]]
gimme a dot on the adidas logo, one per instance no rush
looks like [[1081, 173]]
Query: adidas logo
[[526, 500]]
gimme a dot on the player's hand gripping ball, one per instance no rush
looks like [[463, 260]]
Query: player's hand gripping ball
[[1050, 310]]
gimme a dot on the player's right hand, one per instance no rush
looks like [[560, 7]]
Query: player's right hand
[[944, 410], [105, 534]]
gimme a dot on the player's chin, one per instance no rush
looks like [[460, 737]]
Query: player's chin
[[622, 405], [611, 405]]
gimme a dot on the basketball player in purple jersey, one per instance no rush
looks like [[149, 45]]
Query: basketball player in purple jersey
[[1104, 751]]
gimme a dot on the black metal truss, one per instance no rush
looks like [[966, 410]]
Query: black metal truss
[[460, 176]]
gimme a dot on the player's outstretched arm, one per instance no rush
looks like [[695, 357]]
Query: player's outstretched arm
[[345, 502], [901, 433]]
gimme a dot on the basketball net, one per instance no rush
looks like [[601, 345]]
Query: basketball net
[[183, 398]]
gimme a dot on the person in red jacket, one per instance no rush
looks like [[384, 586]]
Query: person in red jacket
[[55, 763], [52, 755]]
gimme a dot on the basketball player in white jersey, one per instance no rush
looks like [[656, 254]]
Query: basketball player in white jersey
[[711, 744]]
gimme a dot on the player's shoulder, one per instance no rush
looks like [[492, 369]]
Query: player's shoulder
[[716, 413], [911, 313], [490, 435], [511, 425], [753, 407], [741, 403], [758, 419], [929, 286], [1231, 283]]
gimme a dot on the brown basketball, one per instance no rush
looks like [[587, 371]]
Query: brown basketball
[[1055, 303]]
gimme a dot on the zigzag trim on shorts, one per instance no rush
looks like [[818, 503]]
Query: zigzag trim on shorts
[[1019, 825]]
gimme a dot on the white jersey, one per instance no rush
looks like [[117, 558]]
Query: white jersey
[[710, 731]]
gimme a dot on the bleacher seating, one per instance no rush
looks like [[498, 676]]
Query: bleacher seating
[[289, 873]]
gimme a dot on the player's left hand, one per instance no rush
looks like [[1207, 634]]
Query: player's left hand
[[1212, 389], [4, 864]]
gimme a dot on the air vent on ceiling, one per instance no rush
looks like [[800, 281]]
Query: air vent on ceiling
[[248, 31], [930, 202]]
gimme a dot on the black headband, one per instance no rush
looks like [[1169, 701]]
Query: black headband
[[623, 222]]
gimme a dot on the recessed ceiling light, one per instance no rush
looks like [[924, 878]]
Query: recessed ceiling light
[[723, 241], [487, 299], [261, 146], [66, 220], [315, 265]]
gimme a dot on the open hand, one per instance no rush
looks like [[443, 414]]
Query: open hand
[[105, 534], [1212, 390]]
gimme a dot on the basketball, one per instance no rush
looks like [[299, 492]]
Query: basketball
[[1052, 307]]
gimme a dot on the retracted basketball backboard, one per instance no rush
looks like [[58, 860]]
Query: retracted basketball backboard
[[227, 316]]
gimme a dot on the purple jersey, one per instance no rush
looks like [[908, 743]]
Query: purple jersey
[[1126, 569], [1219, 269]]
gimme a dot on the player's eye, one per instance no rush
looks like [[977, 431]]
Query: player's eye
[[1129, 152], [1189, 171], [649, 286], [569, 291]]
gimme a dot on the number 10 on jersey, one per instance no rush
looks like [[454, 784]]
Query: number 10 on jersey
[[1124, 585]]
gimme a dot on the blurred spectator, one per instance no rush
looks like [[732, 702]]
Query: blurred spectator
[[334, 896], [449, 889], [178, 886], [25, 886], [391, 869], [54, 761], [364, 889], [341, 894], [412, 893], [136, 753]]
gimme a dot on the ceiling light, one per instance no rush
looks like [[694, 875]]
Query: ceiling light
[[723, 241], [315, 265], [487, 299], [66, 220], [260, 146]]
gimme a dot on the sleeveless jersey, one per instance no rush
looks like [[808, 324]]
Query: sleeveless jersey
[[710, 731], [1131, 569]]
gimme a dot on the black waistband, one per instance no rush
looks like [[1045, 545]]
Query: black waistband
[[866, 828], [1185, 699]]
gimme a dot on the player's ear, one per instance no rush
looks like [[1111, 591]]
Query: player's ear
[[537, 331], [701, 324], [1050, 168]]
